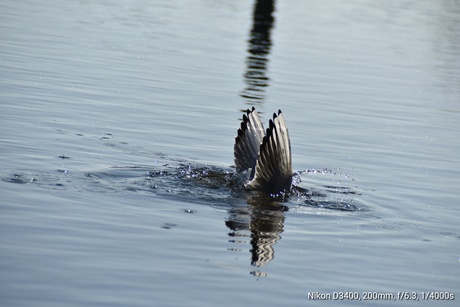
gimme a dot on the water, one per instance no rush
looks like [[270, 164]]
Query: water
[[118, 122]]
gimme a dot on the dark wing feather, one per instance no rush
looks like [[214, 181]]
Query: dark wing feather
[[247, 142], [274, 166]]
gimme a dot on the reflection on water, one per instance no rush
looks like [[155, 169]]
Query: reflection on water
[[262, 221], [264, 217], [257, 217], [259, 48]]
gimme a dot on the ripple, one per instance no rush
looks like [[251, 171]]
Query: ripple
[[208, 184]]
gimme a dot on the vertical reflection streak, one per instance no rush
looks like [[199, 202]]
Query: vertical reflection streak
[[262, 220], [255, 77]]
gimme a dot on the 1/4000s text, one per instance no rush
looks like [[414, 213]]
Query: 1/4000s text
[[373, 295]]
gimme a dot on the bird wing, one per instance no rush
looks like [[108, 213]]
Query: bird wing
[[273, 171], [247, 142]]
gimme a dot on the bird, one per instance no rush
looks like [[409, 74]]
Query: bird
[[264, 154]]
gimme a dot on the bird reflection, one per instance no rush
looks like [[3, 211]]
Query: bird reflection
[[262, 221], [259, 49]]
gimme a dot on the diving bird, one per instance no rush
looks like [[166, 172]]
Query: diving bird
[[264, 154]]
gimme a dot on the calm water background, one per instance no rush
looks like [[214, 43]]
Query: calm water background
[[96, 95]]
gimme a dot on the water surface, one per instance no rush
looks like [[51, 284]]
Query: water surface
[[116, 152]]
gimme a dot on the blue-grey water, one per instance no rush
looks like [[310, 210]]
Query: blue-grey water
[[116, 149]]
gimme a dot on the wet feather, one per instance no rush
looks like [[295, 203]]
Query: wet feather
[[266, 154]]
